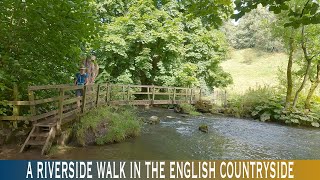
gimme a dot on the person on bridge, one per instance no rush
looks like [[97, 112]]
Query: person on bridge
[[80, 80]]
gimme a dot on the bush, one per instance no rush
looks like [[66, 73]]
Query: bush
[[108, 125], [188, 109], [265, 104], [243, 105]]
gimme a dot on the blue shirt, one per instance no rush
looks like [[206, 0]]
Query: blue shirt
[[81, 78]]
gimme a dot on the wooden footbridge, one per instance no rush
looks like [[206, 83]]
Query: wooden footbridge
[[59, 105]]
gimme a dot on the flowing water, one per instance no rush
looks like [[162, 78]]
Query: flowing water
[[178, 138]]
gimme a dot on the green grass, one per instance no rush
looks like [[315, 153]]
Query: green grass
[[252, 68], [189, 109], [120, 123]]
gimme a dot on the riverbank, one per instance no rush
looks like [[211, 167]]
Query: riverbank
[[177, 137]]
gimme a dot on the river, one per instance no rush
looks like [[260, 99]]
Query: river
[[178, 138]]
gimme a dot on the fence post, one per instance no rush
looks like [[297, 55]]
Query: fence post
[[174, 95], [153, 94], [60, 111], [107, 94], [225, 98], [186, 100], [191, 94], [83, 106], [15, 111], [123, 93], [128, 93], [98, 94], [32, 105], [148, 90]]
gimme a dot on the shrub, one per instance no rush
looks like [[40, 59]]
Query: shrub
[[188, 109], [266, 104], [108, 125]]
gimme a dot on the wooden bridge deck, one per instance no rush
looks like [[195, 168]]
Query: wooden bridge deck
[[60, 105]]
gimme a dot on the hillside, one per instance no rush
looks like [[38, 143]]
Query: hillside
[[251, 68]]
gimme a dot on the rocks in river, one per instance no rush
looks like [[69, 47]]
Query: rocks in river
[[170, 117], [153, 120], [203, 128]]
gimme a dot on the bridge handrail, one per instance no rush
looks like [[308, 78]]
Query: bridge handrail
[[93, 96]]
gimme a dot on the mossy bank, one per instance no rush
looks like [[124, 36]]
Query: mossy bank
[[106, 125]]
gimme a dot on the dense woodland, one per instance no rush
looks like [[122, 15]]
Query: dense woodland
[[165, 42]]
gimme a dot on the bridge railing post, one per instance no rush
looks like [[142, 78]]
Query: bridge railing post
[[107, 94], [60, 110], [128, 94], [98, 94], [186, 98], [32, 106], [84, 99], [191, 94], [153, 94], [174, 96]]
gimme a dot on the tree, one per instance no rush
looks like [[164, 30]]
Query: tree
[[253, 30], [41, 41], [152, 43]]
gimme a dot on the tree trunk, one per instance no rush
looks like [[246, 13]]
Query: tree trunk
[[289, 73], [309, 60], [314, 85]]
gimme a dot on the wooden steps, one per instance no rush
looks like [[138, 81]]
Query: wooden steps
[[42, 134]]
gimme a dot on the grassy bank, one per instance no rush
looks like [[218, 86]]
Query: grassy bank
[[105, 125], [250, 68]]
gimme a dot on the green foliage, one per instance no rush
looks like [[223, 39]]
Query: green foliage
[[189, 109], [119, 124], [41, 41], [266, 104], [152, 43], [253, 30], [243, 105], [306, 13]]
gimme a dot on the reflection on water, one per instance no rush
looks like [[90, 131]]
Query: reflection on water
[[228, 138]]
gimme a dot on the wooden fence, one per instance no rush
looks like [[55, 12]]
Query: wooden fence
[[60, 103]]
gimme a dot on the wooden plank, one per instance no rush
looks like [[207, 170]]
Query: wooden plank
[[128, 93], [45, 87], [74, 87], [162, 102], [60, 109], [44, 115], [141, 93], [191, 94], [15, 118], [174, 96], [16, 103], [42, 101], [31, 100], [162, 93], [72, 100], [16, 109], [48, 141], [70, 113], [28, 138], [153, 94]]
